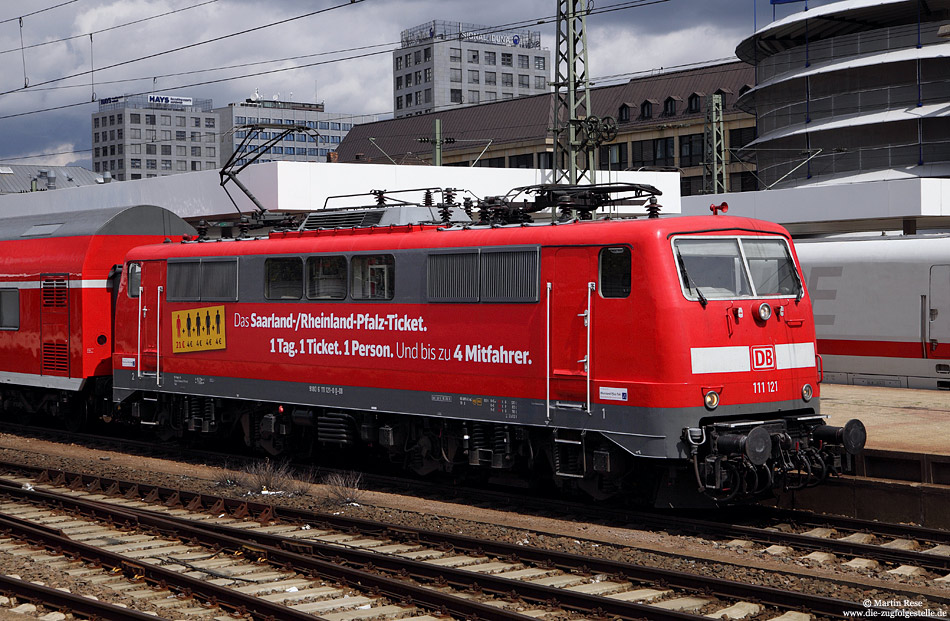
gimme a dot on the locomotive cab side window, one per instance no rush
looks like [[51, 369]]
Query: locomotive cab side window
[[283, 279], [615, 264], [373, 277], [9, 309], [135, 280], [326, 278]]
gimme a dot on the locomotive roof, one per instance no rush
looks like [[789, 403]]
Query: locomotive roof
[[133, 220], [597, 232]]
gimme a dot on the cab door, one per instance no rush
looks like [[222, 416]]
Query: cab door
[[938, 336], [571, 293], [151, 303]]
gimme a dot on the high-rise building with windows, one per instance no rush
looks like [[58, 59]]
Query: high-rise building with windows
[[444, 64], [317, 146], [141, 136]]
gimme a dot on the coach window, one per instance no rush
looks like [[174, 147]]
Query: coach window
[[184, 281], [615, 272], [326, 278], [9, 309], [283, 279], [135, 280], [373, 277]]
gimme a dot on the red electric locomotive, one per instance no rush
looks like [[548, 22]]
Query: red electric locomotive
[[667, 359], [612, 355]]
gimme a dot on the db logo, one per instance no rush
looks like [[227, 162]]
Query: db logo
[[763, 358]]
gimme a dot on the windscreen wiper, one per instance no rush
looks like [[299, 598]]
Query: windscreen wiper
[[689, 281]]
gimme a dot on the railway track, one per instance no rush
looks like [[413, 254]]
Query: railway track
[[536, 580]]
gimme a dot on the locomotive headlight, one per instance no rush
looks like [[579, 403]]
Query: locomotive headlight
[[711, 399], [765, 311], [807, 392]]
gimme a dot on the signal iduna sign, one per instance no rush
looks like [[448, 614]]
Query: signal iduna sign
[[198, 329]]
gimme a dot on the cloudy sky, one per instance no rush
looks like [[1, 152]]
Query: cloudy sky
[[335, 51]]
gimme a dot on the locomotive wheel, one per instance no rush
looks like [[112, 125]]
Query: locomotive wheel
[[164, 431], [77, 418]]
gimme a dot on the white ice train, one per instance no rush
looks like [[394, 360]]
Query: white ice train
[[882, 308]]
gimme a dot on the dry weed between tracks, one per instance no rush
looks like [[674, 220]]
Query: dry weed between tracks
[[343, 488], [267, 478]]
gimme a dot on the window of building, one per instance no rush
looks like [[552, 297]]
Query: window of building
[[455, 75], [691, 186], [663, 152], [166, 134], [646, 110], [408, 80], [211, 165], [490, 78], [179, 121], [455, 54], [693, 103], [196, 121], [166, 119], [489, 58], [473, 97], [524, 62], [507, 96], [166, 149], [181, 150], [209, 121], [195, 151], [112, 133], [456, 95], [473, 76], [506, 59], [166, 164], [428, 74], [473, 56], [407, 58], [150, 149], [739, 138], [417, 57], [427, 54], [691, 150], [239, 120], [507, 79], [398, 82], [196, 136], [118, 119], [399, 102], [95, 152], [150, 119], [209, 136], [95, 123], [180, 135], [669, 107], [428, 95], [196, 165], [540, 82], [398, 63], [95, 137], [613, 157], [521, 161], [524, 81], [373, 277], [135, 149], [135, 117], [151, 134], [326, 278], [112, 149], [111, 119], [181, 165], [290, 150], [615, 266], [418, 76], [96, 166], [151, 164], [540, 63]]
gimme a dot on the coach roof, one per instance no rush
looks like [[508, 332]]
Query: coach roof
[[135, 220]]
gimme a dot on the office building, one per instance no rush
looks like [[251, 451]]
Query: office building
[[141, 136], [444, 65], [318, 145]]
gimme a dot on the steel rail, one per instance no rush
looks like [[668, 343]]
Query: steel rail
[[71, 602], [571, 562]]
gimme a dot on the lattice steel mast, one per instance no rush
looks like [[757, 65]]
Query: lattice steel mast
[[573, 155]]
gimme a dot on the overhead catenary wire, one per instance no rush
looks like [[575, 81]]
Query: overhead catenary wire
[[37, 12]]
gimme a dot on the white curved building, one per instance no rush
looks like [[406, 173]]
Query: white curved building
[[849, 91]]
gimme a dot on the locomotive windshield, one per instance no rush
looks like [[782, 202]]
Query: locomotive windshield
[[726, 268]]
